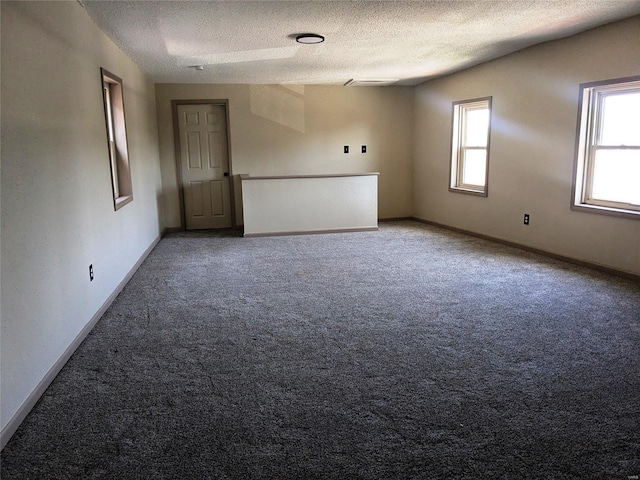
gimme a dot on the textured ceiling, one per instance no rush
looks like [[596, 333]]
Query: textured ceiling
[[411, 41]]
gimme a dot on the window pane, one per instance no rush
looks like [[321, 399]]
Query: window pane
[[476, 127], [474, 167], [621, 119], [616, 176], [107, 106]]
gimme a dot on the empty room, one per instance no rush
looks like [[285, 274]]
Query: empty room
[[320, 239]]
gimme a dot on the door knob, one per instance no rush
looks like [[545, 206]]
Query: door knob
[[226, 174]]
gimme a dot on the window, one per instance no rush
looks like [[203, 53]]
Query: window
[[470, 146], [607, 163], [117, 139]]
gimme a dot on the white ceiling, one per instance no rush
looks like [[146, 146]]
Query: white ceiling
[[411, 41]]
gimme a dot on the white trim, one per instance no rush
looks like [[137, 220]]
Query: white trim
[[12, 425], [244, 176], [588, 143], [459, 148]]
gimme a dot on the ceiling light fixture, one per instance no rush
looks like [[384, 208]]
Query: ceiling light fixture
[[309, 38]]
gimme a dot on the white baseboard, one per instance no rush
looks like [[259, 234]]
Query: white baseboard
[[15, 421], [310, 232]]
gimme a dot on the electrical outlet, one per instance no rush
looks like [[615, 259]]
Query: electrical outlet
[[346, 149], [91, 273], [364, 149], [526, 219]]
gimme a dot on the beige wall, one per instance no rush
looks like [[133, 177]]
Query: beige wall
[[535, 101], [288, 130], [57, 204], [57, 211]]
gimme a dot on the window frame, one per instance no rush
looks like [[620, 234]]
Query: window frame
[[117, 143], [588, 126], [458, 150]]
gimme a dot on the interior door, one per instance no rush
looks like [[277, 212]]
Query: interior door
[[204, 161]]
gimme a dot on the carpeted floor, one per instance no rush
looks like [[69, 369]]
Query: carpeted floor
[[411, 352]]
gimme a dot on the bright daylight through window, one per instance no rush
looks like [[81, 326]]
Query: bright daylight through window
[[470, 146], [607, 169]]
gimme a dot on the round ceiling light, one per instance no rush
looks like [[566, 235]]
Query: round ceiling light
[[309, 38]]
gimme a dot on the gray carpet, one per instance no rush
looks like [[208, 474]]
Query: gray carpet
[[411, 352]]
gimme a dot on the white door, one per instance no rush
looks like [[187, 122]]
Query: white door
[[204, 160]]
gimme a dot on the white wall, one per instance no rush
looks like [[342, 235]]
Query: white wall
[[57, 205], [280, 205], [535, 102], [301, 130]]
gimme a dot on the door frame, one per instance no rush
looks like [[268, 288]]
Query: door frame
[[176, 141]]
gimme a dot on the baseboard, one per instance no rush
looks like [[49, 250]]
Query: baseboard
[[171, 230], [310, 232], [12, 425], [394, 219], [574, 261]]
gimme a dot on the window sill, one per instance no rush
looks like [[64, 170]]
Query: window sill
[[477, 193], [120, 202], [614, 212]]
